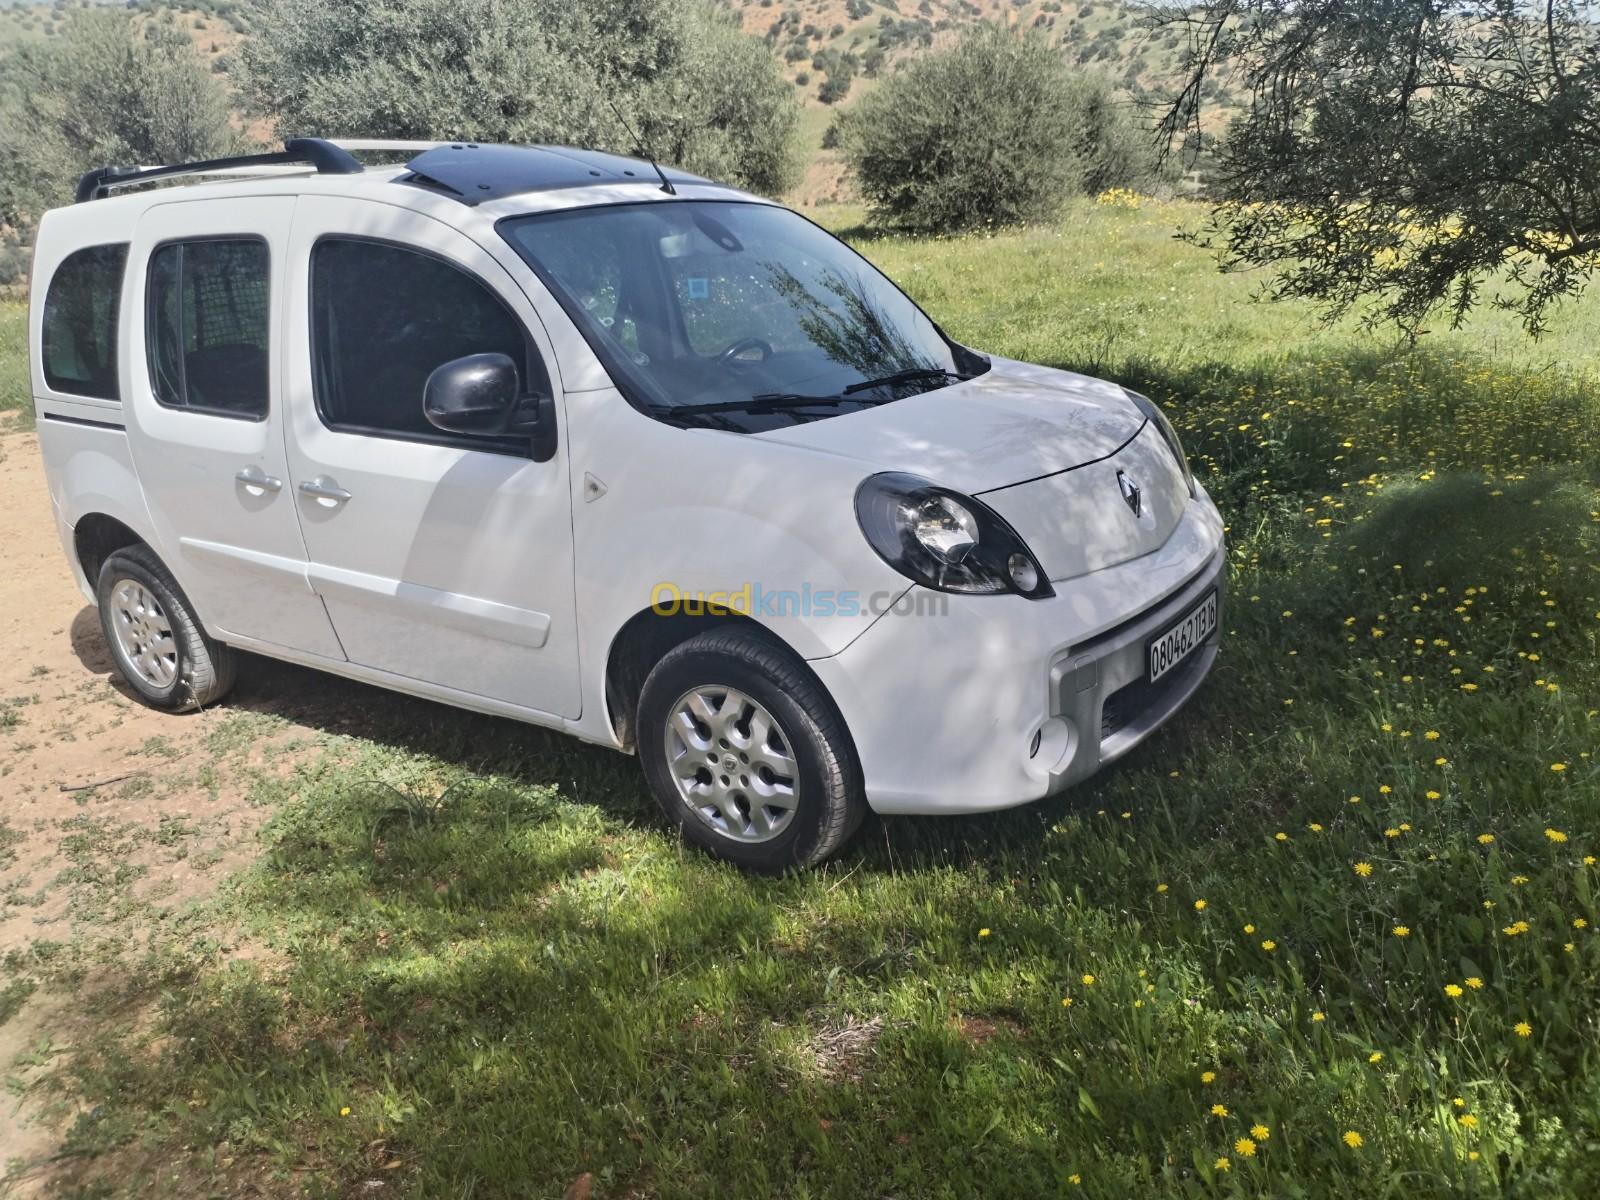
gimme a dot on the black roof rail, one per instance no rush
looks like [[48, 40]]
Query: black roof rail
[[326, 157]]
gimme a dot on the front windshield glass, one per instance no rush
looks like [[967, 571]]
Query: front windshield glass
[[741, 311]]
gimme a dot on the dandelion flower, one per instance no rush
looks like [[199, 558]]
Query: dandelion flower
[[1432, 735], [1199, 906], [1224, 1165], [1066, 1002], [1555, 835], [1473, 982], [1352, 1139], [1431, 794], [1219, 1110], [1375, 1057], [1468, 1121], [1453, 990], [1161, 887], [983, 933], [1402, 931], [1269, 945], [1088, 980], [1074, 1179], [1260, 1132], [344, 1112], [1579, 923], [1558, 767], [1523, 1029], [1486, 839], [1363, 869], [1208, 1076], [1244, 1148], [1317, 1016]]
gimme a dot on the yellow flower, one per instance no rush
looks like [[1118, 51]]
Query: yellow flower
[[1244, 1148], [1219, 1110], [1579, 923], [983, 933], [1468, 1120], [1555, 835], [1269, 945], [1161, 887], [1402, 931], [1066, 1002], [1474, 982], [1199, 906], [1458, 1102], [1523, 1029], [1314, 827], [1208, 1076], [1558, 767], [1375, 1057], [1249, 928], [1224, 1165], [1281, 836], [1317, 1016], [1363, 869], [344, 1112], [1260, 1132], [1088, 980], [1472, 1156], [1432, 795], [1485, 839], [1352, 1139], [1074, 1180], [1391, 832], [1432, 735], [1453, 990]]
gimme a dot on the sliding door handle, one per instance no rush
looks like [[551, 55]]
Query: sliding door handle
[[256, 479], [324, 488]]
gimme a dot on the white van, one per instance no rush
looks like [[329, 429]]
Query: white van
[[563, 437]]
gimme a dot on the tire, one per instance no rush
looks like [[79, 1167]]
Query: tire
[[182, 670], [731, 669]]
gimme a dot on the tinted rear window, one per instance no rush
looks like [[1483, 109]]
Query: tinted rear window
[[80, 322]]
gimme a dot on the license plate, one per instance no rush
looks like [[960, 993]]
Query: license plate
[[1166, 650]]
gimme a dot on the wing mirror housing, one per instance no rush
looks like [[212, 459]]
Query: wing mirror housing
[[480, 395]]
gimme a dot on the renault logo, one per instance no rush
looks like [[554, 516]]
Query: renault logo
[[1131, 493]]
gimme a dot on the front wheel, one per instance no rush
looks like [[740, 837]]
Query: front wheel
[[154, 636], [746, 753]]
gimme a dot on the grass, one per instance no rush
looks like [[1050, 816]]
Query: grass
[[1332, 932], [16, 394]]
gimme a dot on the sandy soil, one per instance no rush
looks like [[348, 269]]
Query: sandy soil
[[113, 817]]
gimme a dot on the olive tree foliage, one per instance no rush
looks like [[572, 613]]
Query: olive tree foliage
[[111, 88], [993, 131], [1408, 158], [701, 94]]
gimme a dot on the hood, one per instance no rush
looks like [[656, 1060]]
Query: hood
[[1014, 422]]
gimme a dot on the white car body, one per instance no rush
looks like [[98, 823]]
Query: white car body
[[503, 585]]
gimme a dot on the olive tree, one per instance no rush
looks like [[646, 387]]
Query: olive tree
[[111, 88], [994, 130], [1409, 157], [696, 90]]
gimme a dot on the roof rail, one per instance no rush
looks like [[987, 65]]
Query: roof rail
[[324, 156]]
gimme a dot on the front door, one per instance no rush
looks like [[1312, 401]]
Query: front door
[[441, 557], [205, 415]]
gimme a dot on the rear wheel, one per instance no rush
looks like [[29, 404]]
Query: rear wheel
[[154, 636], [747, 754]]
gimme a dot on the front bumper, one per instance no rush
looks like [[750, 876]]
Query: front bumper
[[944, 706]]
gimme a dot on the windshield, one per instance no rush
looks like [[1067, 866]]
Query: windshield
[[742, 313]]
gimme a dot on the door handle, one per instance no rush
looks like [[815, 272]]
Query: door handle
[[254, 477], [324, 488]]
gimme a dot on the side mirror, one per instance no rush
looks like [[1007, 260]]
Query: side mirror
[[476, 394], [480, 394]]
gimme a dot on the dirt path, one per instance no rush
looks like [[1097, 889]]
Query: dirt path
[[114, 818]]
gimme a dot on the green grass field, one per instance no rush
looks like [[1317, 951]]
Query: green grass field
[[1330, 933]]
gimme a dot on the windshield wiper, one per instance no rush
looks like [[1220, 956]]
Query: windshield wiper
[[760, 402], [915, 375]]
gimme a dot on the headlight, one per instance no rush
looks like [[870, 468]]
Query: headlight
[[944, 540], [1148, 407]]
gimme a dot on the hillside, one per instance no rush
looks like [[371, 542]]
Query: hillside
[[832, 51]]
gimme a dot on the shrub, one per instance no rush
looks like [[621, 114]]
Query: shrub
[[994, 131], [698, 91]]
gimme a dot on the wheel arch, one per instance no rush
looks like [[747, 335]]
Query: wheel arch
[[95, 537], [644, 639]]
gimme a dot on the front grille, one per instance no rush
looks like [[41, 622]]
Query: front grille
[[1127, 704]]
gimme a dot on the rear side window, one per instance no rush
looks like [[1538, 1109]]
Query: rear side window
[[383, 317], [206, 327], [80, 322]]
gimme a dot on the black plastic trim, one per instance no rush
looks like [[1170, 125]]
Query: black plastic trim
[[86, 421]]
